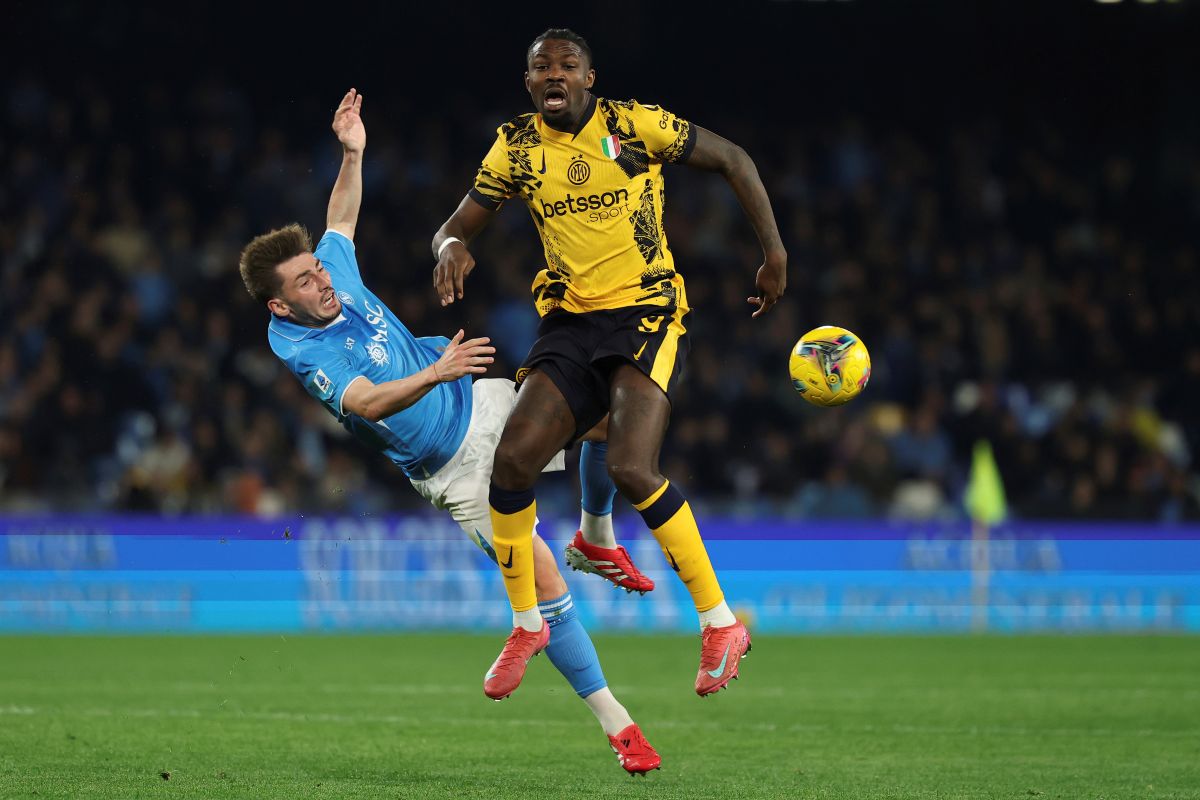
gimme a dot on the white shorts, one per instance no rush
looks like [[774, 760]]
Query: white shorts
[[461, 486]]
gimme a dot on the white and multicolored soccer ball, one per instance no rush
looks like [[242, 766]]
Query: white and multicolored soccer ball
[[830, 366]]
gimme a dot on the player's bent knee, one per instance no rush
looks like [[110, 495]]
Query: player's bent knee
[[634, 482], [515, 468]]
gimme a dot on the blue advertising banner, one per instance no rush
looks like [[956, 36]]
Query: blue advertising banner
[[123, 573]]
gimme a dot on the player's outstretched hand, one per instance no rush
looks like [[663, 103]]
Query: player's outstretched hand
[[770, 282], [453, 267], [348, 124], [463, 358]]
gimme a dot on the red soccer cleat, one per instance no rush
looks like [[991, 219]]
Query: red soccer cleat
[[613, 564], [633, 751], [720, 651], [506, 672]]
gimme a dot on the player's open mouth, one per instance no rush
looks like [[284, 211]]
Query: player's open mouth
[[328, 301], [555, 99]]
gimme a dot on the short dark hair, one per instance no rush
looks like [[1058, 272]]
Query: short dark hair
[[567, 35], [260, 259]]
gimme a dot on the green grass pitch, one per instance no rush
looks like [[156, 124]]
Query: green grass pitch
[[403, 716]]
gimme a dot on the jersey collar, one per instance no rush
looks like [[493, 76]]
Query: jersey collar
[[293, 332], [584, 119]]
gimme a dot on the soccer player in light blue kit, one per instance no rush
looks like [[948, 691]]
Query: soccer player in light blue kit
[[413, 400]]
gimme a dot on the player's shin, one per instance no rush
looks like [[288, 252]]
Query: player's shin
[[573, 654], [597, 491], [669, 517], [514, 515]]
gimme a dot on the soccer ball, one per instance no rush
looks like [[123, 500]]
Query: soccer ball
[[829, 366]]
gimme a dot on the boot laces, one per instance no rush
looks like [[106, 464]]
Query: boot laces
[[712, 645], [517, 648]]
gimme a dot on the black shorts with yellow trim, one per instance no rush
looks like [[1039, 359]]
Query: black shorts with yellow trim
[[579, 352]]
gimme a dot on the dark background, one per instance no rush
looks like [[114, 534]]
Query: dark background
[[1002, 198]]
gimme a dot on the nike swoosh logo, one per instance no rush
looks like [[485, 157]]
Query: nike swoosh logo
[[508, 564], [542, 171], [491, 675], [716, 673], [671, 558], [638, 354]]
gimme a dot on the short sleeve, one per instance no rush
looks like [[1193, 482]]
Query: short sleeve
[[493, 182], [336, 252], [326, 373], [668, 138]]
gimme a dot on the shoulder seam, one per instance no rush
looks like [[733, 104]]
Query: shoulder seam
[[519, 121]]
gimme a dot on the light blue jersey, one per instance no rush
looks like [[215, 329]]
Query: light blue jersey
[[369, 341]]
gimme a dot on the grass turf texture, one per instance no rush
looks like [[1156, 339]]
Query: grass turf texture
[[405, 716]]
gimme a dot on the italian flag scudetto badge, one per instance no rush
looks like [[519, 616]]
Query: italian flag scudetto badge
[[611, 146]]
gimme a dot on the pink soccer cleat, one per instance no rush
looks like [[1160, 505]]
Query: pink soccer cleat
[[506, 672], [633, 751], [720, 651]]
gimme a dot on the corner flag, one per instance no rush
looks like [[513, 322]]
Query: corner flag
[[984, 498]]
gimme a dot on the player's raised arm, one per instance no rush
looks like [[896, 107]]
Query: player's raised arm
[[344, 201], [713, 153], [454, 260], [375, 401]]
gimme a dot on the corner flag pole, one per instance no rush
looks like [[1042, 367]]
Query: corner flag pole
[[985, 503], [980, 575]]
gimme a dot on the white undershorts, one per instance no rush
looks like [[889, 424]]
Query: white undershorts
[[461, 486]]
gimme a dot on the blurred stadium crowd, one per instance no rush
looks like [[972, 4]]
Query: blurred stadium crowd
[[1032, 285]]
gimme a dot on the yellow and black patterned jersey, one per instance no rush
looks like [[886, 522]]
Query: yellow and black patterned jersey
[[597, 199]]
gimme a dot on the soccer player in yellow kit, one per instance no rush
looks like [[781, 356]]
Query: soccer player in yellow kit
[[613, 335]]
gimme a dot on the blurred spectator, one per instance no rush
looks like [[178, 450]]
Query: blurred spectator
[[1009, 289]]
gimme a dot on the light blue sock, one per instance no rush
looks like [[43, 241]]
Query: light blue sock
[[598, 490], [571, 649]]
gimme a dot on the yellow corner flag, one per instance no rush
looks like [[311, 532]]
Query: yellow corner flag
[[985, 491]]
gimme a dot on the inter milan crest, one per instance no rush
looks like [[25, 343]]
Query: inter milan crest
[[579, 171]]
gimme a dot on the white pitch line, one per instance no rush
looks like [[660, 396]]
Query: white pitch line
[[21, 710], [396, 719], [237, 685]]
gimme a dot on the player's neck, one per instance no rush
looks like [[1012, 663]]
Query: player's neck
[[574, 125], [313, 322]]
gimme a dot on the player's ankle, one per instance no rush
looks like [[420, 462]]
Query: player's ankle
[[530, 620], [611, 715], [597, 530], [719, 616]]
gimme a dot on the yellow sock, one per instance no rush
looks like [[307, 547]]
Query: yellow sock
[[512, 538], [670, 518]]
